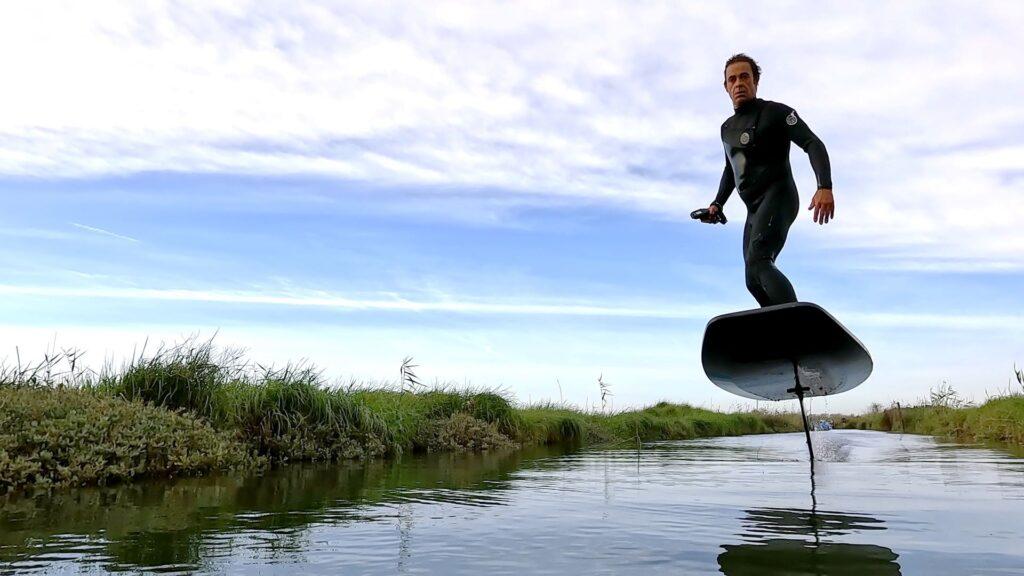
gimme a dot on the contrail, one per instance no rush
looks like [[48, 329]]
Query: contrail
[[104, 232]]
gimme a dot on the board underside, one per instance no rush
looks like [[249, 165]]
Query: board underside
[[752, 353]]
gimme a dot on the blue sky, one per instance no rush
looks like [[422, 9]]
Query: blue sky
[[502, 191]]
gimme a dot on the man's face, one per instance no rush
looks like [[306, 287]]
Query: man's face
[[739, 83]]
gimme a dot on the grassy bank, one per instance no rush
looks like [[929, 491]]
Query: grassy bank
[[190, 410], [997, 420], [59, 437]]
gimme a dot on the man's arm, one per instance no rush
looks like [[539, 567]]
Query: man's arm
[[725, 185], [800, 134]]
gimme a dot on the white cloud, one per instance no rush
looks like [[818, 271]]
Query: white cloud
[[603, 101], [447, 303], [945, 321], [36, 233], [326, 300]]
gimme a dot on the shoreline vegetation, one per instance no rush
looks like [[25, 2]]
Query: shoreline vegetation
[[191, 409], [999, 420]]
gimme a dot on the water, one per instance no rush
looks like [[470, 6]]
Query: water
[[882, 504]]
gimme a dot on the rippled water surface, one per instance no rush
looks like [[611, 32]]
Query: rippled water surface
[[881, 504]]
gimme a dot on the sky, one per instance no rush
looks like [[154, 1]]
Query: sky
[[501, 190]]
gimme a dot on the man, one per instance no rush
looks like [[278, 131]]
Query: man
[[756, 140]]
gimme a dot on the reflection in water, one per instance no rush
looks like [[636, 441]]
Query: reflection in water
[[767, 554], [778, 557], [667, 509], [808, 556], [770, 521], [181, 525]]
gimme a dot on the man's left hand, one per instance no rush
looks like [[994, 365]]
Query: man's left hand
[[824, 206]]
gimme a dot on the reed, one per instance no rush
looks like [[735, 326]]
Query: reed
[[186, 376]]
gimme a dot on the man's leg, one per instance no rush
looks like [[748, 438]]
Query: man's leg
[[764, 236]]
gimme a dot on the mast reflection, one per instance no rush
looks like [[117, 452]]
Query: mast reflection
[[789, 542]]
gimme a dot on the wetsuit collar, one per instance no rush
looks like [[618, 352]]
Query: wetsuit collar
[[748, 105]]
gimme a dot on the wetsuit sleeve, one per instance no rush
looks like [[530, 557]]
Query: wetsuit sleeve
[[726, 185], [802, 136]]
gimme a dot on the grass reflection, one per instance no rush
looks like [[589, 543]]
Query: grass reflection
[[181, 525]]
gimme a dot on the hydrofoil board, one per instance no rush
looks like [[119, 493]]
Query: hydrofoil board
[[768, 352]]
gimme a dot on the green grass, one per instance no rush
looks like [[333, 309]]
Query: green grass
[[666, 421], [68, 437], [210, 410], [663, 421], [997, 420]]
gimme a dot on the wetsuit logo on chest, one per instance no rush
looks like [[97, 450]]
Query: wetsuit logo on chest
[[745, 138], [791, 119]]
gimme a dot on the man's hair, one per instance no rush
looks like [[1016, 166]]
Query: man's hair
[[741, 57]]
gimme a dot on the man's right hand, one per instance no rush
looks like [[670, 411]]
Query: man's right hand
[[715, 215], [711, 215]]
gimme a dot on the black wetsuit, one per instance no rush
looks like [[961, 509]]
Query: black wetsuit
[[756, 140]]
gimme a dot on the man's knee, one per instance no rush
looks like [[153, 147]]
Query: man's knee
[[755, 268], [766, 283]]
